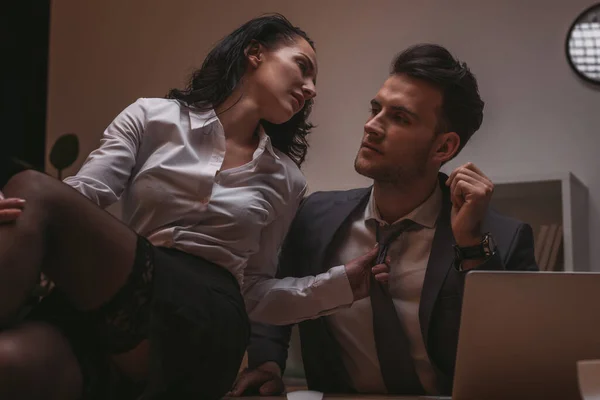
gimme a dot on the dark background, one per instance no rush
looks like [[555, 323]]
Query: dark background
[[24, 38]]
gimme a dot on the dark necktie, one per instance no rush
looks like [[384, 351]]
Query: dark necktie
[[391, 341]]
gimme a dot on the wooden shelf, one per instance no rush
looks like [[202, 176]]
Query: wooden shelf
[[553, 198]]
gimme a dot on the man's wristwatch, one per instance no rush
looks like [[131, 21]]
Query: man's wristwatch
[[483, 250]]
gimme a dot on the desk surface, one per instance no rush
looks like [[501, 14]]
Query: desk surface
[[349, 397]]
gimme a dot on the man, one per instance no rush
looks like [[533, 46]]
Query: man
[[423, 115]]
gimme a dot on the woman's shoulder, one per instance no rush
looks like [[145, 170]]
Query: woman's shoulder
[[157, 103], [154, 109]]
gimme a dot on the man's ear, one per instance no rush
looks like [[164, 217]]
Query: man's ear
[[445, 147], [254, 51]]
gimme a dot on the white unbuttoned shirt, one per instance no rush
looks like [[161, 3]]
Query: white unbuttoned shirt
[[163, 159], [353, 327]]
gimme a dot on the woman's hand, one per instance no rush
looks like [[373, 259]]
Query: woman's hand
[[10, 209]]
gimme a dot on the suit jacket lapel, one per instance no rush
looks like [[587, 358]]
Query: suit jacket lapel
[[440, 261], [332, 222]]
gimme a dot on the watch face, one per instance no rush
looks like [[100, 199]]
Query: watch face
[[489, 245], [486, 248]]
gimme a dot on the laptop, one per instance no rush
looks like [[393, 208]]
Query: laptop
[[522, 333]]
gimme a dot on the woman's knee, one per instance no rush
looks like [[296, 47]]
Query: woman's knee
[[29, 185], [37, 362], [42, 194]]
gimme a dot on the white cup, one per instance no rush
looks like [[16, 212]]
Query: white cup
[[588, 375], [304, 395]]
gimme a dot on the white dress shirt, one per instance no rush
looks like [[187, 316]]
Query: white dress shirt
[[353, 327], [163, 159]]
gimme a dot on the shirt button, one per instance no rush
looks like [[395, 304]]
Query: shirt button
[[382, 224], [205, 200]]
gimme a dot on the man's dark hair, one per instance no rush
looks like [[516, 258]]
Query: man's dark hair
[[462, 108]]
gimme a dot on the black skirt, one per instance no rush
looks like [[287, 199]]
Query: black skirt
[[190, 309]]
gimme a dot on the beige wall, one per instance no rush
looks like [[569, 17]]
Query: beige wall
[[539, 117]]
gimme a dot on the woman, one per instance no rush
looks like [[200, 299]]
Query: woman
[[210, 181]]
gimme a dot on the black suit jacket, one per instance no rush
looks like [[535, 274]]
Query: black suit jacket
[[313, 235]]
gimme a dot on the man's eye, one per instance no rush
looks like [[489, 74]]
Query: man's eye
[[400, 119], [303, 66]]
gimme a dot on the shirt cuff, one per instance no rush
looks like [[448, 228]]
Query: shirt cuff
[[292, 300], [338, 288]]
